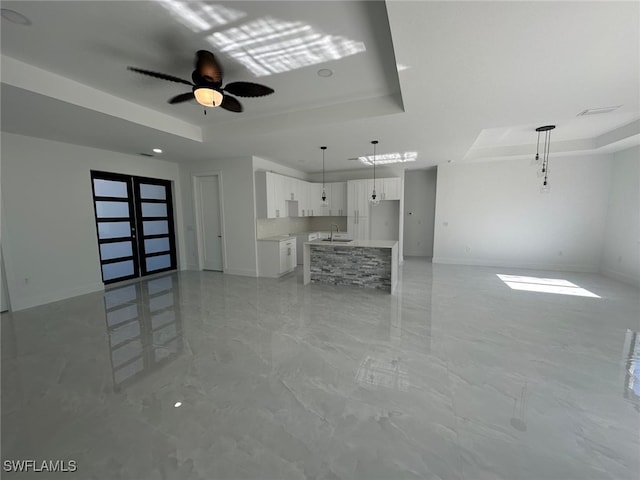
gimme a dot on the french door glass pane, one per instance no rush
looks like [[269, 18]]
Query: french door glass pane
[[157, 192], [109, 188], [116, 250], [155, 227], [112, 209], [113, 229], [117, 270], [159, 262], [154, 209], [155, 245]]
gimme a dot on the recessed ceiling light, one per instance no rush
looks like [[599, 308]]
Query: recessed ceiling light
[[325, 72], [14, 17], [157, 150], [177, 404]]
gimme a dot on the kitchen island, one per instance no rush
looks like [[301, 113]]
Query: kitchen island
[[361, 263]]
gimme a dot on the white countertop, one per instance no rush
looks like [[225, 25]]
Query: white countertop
[[356, 243], [278, 238]]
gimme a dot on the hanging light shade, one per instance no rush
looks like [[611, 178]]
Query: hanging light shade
[[374, 200], [324, 202], [543, 171]]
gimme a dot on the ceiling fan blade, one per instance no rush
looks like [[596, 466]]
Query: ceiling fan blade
[[231, 103], [183, 97], [207, 68], [248, 89], [162, 76]]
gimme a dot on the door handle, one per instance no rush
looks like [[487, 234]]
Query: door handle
[[219, 236]]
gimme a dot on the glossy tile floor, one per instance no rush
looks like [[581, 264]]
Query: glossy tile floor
[[200, 375]]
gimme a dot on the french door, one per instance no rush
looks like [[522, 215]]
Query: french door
[[134, 222]]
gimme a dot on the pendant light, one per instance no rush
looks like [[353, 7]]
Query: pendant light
[[324, 201], [544, 170], [374, 200], [536, 159]]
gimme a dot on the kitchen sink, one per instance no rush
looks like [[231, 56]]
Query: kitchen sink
[[337, 240]]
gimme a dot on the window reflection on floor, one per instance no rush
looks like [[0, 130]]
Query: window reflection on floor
[[388, 373], [545, 285], [144, 327], [632, 369]]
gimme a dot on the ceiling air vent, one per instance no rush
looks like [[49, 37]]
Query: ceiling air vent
[[597, 111]]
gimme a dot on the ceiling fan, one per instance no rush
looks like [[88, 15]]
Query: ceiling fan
[[206, 87]]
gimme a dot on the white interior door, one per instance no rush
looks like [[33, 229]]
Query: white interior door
[[210, 225]]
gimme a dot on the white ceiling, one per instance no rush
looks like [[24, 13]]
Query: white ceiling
[[476, 78]]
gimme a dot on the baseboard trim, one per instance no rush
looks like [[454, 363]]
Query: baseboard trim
[[499, 263], [621, 277], [30, 302]]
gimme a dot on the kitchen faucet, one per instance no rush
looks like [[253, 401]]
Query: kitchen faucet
[[337, 231]]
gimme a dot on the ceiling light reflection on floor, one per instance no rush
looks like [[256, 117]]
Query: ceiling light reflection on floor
[[545, 285], [200, 16], [268, 45]]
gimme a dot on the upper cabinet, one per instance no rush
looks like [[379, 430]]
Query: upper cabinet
[[391, 188], [358, 197], [337, 193], [272, 191], [279, 196]]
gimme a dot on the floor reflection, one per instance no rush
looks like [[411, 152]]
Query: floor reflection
[[144, 328], [632, 369]]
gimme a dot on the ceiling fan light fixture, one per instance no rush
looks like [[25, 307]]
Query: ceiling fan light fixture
[[208, 97]]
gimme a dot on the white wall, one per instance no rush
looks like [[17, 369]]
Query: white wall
[[261, 164], [621, 252], [49, 234], [419, 212], [493, 213], [238, 212]]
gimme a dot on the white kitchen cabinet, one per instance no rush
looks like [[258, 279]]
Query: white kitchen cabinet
[[337, 199], [302, 197], [270, 200], [391, 188], [358, 195], [275, 258], [361, 229], [314, 209]]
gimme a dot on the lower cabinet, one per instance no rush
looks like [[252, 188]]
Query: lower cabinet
[[276, 258]]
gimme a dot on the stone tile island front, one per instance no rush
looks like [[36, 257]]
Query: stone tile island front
[[359, 263]]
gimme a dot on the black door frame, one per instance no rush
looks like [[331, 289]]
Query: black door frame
[[137, 236]]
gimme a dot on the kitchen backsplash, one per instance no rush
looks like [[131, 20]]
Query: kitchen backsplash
[[279, 226], [323, 224]]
